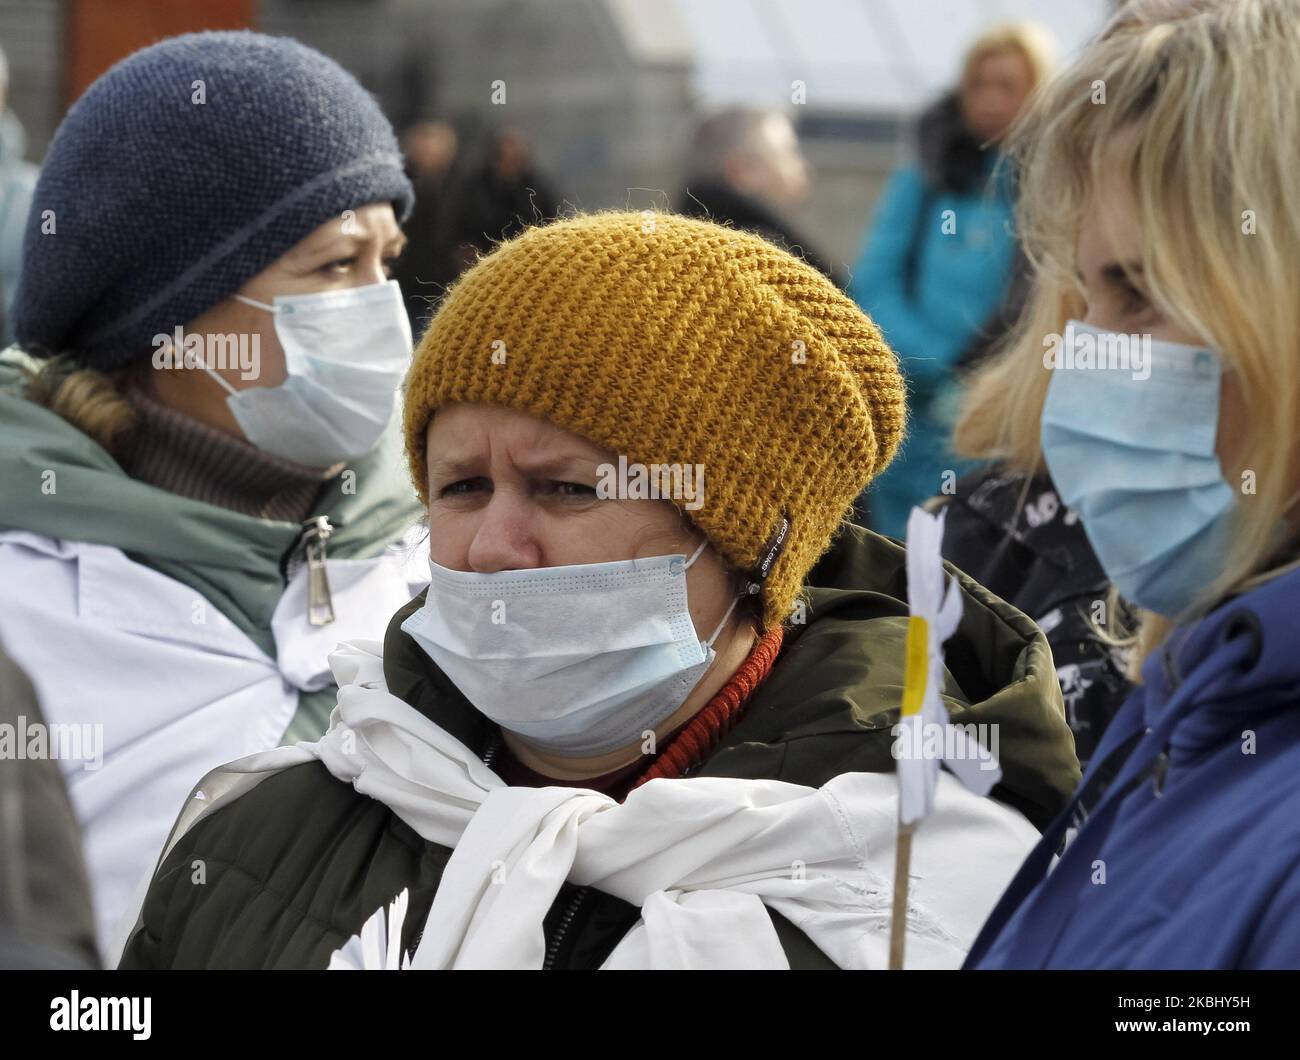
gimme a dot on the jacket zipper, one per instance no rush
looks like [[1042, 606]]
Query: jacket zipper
[[320, 601], [553, 947], [566, 921], [575, 903]]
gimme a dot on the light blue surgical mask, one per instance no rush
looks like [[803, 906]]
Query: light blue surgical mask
[[1135, 459], [345, 353], [580, 659]]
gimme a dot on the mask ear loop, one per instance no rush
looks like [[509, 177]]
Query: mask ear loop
[[696, 555], [714, 636], [734, 600], [256, 305], [176, 356], [253, 302], [228, 388]]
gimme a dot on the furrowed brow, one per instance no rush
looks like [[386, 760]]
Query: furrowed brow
[[559, 465], [454, 467]]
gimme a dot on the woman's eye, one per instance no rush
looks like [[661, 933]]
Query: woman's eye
[[1132, 300], [573, 490], [463, 487], [341, 264]]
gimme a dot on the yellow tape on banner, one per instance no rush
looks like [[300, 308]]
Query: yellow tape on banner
[[918, 652]]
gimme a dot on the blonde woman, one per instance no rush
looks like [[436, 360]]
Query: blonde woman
[[1160, 212], [938, 263]]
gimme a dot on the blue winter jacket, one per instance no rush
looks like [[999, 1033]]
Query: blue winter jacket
[[963, 267], [1191, 859]]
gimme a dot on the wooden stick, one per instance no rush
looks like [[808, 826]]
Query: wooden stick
[[898, 920]]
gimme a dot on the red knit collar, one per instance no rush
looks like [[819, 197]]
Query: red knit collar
[[705, 731]]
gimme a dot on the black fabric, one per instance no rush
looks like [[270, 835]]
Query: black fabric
[[951, 159], [712, 200], [488, 208], [428, 264], [1012, 534]]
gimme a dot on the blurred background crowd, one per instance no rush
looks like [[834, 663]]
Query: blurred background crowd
[[788, 116]]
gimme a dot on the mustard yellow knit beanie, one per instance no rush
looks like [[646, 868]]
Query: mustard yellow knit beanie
[[679, 343]]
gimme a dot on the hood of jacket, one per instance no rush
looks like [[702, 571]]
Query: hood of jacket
[[950, 157], [832, 698], [711, 199], [1266, 619], [1198, 785], [58, 482]]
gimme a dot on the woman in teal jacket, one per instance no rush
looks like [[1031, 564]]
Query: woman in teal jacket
[[939, 256]]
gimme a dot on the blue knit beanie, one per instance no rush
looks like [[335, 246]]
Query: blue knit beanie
[[161, 206]]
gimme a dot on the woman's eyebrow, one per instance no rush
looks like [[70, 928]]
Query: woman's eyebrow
[[331, 246], [565, 463], [453, 467]]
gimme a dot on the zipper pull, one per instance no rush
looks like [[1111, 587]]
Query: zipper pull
[[320, 604]]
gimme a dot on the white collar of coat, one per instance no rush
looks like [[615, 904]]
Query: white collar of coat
[[700, 857]]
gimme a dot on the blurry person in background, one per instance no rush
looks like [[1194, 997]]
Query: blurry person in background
[[499, 197], [1159, 364], [46, 919], [17, 180], [1006, 525], [939, 258], [427, 265], [746, 170], [200, 491]]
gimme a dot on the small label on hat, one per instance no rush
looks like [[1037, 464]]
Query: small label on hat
[[771, 552]]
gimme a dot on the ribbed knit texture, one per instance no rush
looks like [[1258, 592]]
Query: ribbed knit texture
[[162, 206], [190, 459], [669, 340]]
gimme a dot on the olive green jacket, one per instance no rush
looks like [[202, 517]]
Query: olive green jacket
[[292, 869]]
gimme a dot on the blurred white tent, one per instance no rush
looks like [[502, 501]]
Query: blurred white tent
[[883, 56], [609, 91]]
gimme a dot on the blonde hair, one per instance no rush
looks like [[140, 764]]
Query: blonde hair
[[93, 402], [1192, 104], [1034, 42]]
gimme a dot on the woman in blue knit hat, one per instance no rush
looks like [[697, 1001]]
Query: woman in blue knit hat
[[200, 497]]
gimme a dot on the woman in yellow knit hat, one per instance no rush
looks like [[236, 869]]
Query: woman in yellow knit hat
[[642, 715]]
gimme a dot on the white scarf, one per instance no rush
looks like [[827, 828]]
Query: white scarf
[[700, 857]]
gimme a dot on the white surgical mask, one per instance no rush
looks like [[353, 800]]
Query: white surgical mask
[[345, 353], [579, 660]]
